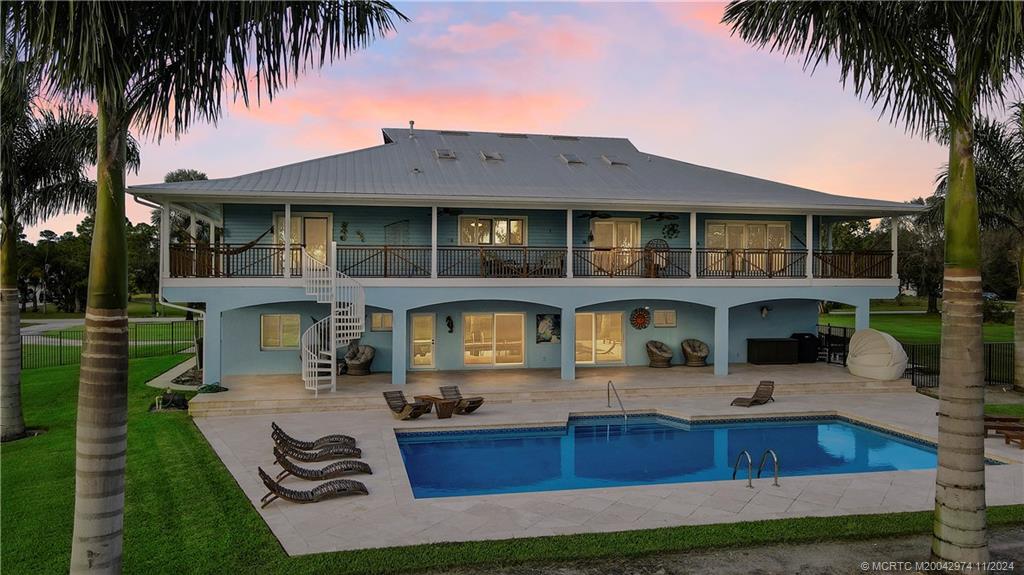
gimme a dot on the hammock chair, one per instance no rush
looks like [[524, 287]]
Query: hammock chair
[[224, 250]]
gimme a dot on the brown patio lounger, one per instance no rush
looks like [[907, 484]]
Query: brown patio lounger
[[328, 490], [466, 404], [402, 409], [325, 453], [1001, 426], [1011, 437], [332, 471], [762, 395], [281, 437]]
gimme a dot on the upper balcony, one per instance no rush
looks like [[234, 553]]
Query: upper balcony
[[451, 243]]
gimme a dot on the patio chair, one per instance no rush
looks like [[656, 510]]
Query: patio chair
[[1003, 426], [328, 490], [696, 352], [325, 453], [281, 437], [359, 358], [402, 409], [332, 471], [466, 405], [761, 396], [659, 354], [1011, 437]]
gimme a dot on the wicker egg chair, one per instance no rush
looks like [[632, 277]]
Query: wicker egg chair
[[696, 352], [659, 354]]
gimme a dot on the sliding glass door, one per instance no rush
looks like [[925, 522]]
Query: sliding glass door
[[600, 337], [493, 339]]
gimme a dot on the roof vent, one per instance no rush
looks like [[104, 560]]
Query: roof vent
[[565, 138], [452, 133], [444, 154], [411, 124], [571, 159], [495, 156], [614, 160], [521, 136]]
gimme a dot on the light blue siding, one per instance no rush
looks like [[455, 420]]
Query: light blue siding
[[352, 225], [240, 338]]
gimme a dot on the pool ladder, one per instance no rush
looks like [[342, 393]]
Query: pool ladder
[[611, 388], [760, 468]]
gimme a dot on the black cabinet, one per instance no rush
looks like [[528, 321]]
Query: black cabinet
[[773, 350]]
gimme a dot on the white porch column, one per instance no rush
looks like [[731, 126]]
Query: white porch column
[[165, 241], [287, 240], [810, 246], [399, 346], [192, 226], [721, 341], [568, 343], [211, 346], [433, 242], [862, 315], [894, 241], [693, 243], [568, 245]]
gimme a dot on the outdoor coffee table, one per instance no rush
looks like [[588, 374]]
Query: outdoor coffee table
[[444, 407]]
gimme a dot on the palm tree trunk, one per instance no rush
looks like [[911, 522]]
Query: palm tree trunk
[[959, 531], [102, 431], [1018, 325], [12, 422]]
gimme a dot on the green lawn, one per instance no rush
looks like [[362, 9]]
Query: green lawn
[[156, 331], [915, 328], [185, 513], [140, 307], [1011, 409]]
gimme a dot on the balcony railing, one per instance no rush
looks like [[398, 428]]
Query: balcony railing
[[384, 261], [719, 263], [631, 263], [231, 260], [875, 264], [500, 262]]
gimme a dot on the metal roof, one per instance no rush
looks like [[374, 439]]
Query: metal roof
[[533, 168]]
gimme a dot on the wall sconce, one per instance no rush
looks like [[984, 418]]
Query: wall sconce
[[764, 311], [451, 324]]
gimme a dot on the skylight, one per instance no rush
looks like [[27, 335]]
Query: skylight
[[570, 159], [444, 154], [495, 156], [614, 160], [565, 138], [512, 136], [452, 133]]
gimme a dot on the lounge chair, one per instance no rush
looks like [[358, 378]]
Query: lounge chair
[[332, 471], [328, 490], [659, 354], [1011, 437], [761, 396], [358, 359], [281, 437], [1003, 426], [325, 453], [696, 352], [466, 404], [402, 409]]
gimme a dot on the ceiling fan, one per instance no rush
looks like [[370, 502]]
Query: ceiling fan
[[592, 214], [450, 212], [661, 216]]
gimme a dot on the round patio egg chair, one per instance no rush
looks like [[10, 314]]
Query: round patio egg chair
[[659, 354], [876, 355], [696, 352]]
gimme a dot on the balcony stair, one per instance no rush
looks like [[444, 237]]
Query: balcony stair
[[321, 342]]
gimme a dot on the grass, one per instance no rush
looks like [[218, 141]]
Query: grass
[[139, 307], [1011, 409], [185, 512], [916, 328], [155, 331]]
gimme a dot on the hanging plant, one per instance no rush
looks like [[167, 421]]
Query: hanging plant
[[361, 236], [343, 233], [640, 318]]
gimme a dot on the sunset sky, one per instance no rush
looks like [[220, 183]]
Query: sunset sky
[[667, 76]]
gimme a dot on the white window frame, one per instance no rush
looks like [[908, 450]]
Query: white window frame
[[524, 219], [280, 333], [654, 318], [745, 223], [593, 337], [494, 340], [639, 229], [381, 314], [302, 227]]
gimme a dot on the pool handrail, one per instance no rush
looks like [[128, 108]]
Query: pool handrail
[[609, 389], [750, 467], [775, 462]]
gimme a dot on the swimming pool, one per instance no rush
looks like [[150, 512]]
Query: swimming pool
[[591, 452]]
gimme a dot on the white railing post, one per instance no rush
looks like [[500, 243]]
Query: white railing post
[[287, 240], [433, 242], [693, 243], [568, 243], [165, 241], [894, 241], [810, 246]]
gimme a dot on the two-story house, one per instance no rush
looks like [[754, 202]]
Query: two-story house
[[450, 250]]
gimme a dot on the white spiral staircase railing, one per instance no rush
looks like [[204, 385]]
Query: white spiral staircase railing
[[321, 342]]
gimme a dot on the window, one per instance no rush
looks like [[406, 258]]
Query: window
[[487, 231], [380, 321], [599, 337], [570, 158], [493, 338], [444, 154], [279, 331], [664, 318]]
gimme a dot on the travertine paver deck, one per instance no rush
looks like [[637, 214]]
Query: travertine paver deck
[[390, 516]]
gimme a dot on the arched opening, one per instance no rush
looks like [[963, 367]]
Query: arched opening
[[606, 334]]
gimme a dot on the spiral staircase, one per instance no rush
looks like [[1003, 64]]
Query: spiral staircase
[[322, 341]]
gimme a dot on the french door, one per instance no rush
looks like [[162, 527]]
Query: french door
[[493, 339], [614, 242], [748, 244], [600, 338], [423, 343], [313, 231]]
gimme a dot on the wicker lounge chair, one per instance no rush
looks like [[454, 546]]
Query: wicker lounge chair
[[325, 453], [696, 352], [1003, 426], [332, 471], [281, 437], [466, 404], [328, 490], [659, 354], [402, 409], [359, 358], [761, 396]]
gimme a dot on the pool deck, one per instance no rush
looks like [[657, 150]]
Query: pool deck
[[390, 516]]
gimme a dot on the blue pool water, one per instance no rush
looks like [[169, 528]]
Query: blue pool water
[[593, 452]]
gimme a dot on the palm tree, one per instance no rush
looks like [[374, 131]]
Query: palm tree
[[924, 63], [157, 66], [44, 157]]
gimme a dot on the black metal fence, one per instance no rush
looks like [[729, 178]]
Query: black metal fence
[[64, 347], [834, 343], [923, 363]]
